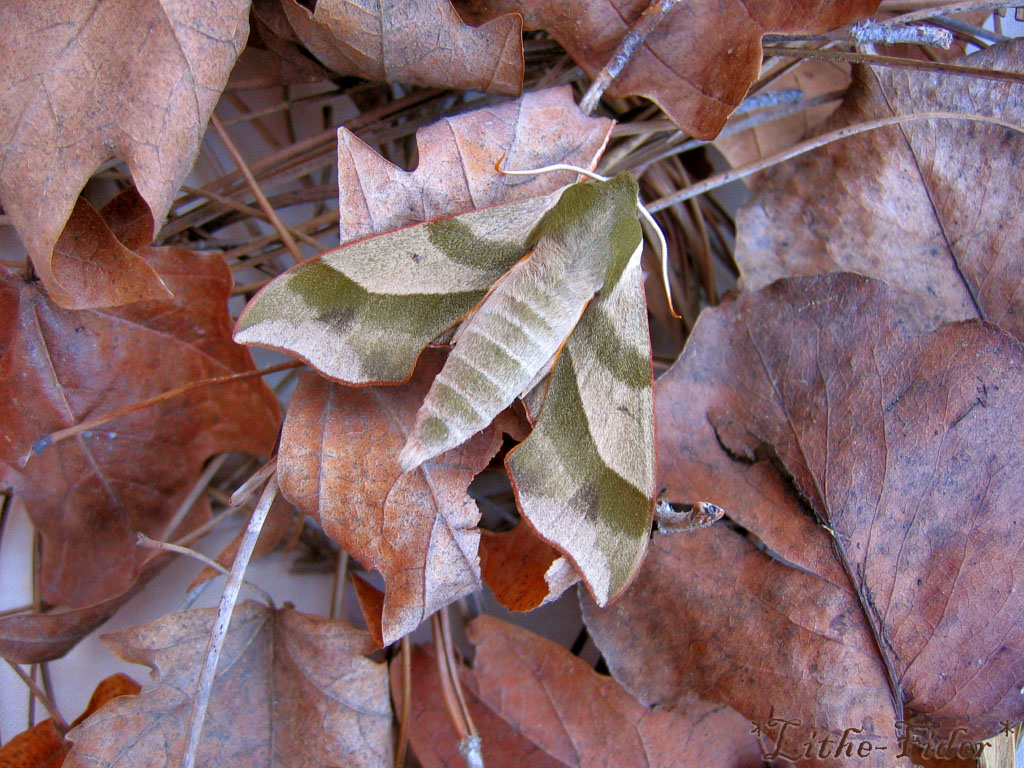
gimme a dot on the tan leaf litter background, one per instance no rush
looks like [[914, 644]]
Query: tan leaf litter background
[[866, 455]]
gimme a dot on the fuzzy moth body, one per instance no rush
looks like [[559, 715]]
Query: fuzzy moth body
[[524, 321]]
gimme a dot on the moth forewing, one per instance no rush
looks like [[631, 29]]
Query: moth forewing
[[362, 313], [581, 245]]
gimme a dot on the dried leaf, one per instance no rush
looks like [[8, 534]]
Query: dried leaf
[[92, 492], [405, 41], [523, 571], [32, 638], [700, 60], [904, 447], [535, 703], [43, 746], [457, 155], [291, 690], [338, 461], [95, 270], [931, 207], [88, 82], [271, 30]]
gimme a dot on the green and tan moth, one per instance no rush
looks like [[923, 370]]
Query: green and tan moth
[[542, 299]]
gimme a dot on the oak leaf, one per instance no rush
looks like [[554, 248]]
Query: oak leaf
[[413, 42], [92, 492], [880, 470], [457, 156], [931, 207], [536, 704], [88, 82], [338, 462], [291, 690], [697, 64]]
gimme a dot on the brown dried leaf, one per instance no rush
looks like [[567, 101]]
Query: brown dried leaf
[[338, 461], [271, 30], [456, 163], [291, 690], [414, 42], [535, 703], [931, 207], [700, 60], [371, 603], [92, 492], [87, 82], [524, 571], [32, 638], [43, 746], [93, 269], [905, 447]]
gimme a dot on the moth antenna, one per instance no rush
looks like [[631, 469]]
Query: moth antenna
[[662, 248], [546, 168]]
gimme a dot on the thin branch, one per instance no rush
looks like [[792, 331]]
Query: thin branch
[[628, 46], [248, 488], [63, 434], [721, 179], [165, 546], [933, 9], [248, 210], [194, 493], [338, 584], [898, 63], [254, 187], [469, 742], [220, 627], [406, 708], [58, 721]]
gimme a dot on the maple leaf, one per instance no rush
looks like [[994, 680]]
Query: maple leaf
[[536, 704], [135, 80], [291, 690], [880, 471], [93, 492], [697, 64], [931, 207]]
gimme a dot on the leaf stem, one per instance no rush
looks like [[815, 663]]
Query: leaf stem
[[63, 434]]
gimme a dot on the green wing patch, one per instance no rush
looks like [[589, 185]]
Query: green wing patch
[[362, 313]]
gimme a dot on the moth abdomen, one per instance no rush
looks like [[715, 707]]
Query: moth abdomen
[[499, 352]]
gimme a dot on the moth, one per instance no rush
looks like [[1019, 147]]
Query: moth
[[541, 299]]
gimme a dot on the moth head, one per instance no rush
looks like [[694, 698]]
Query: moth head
[[645, 216]]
